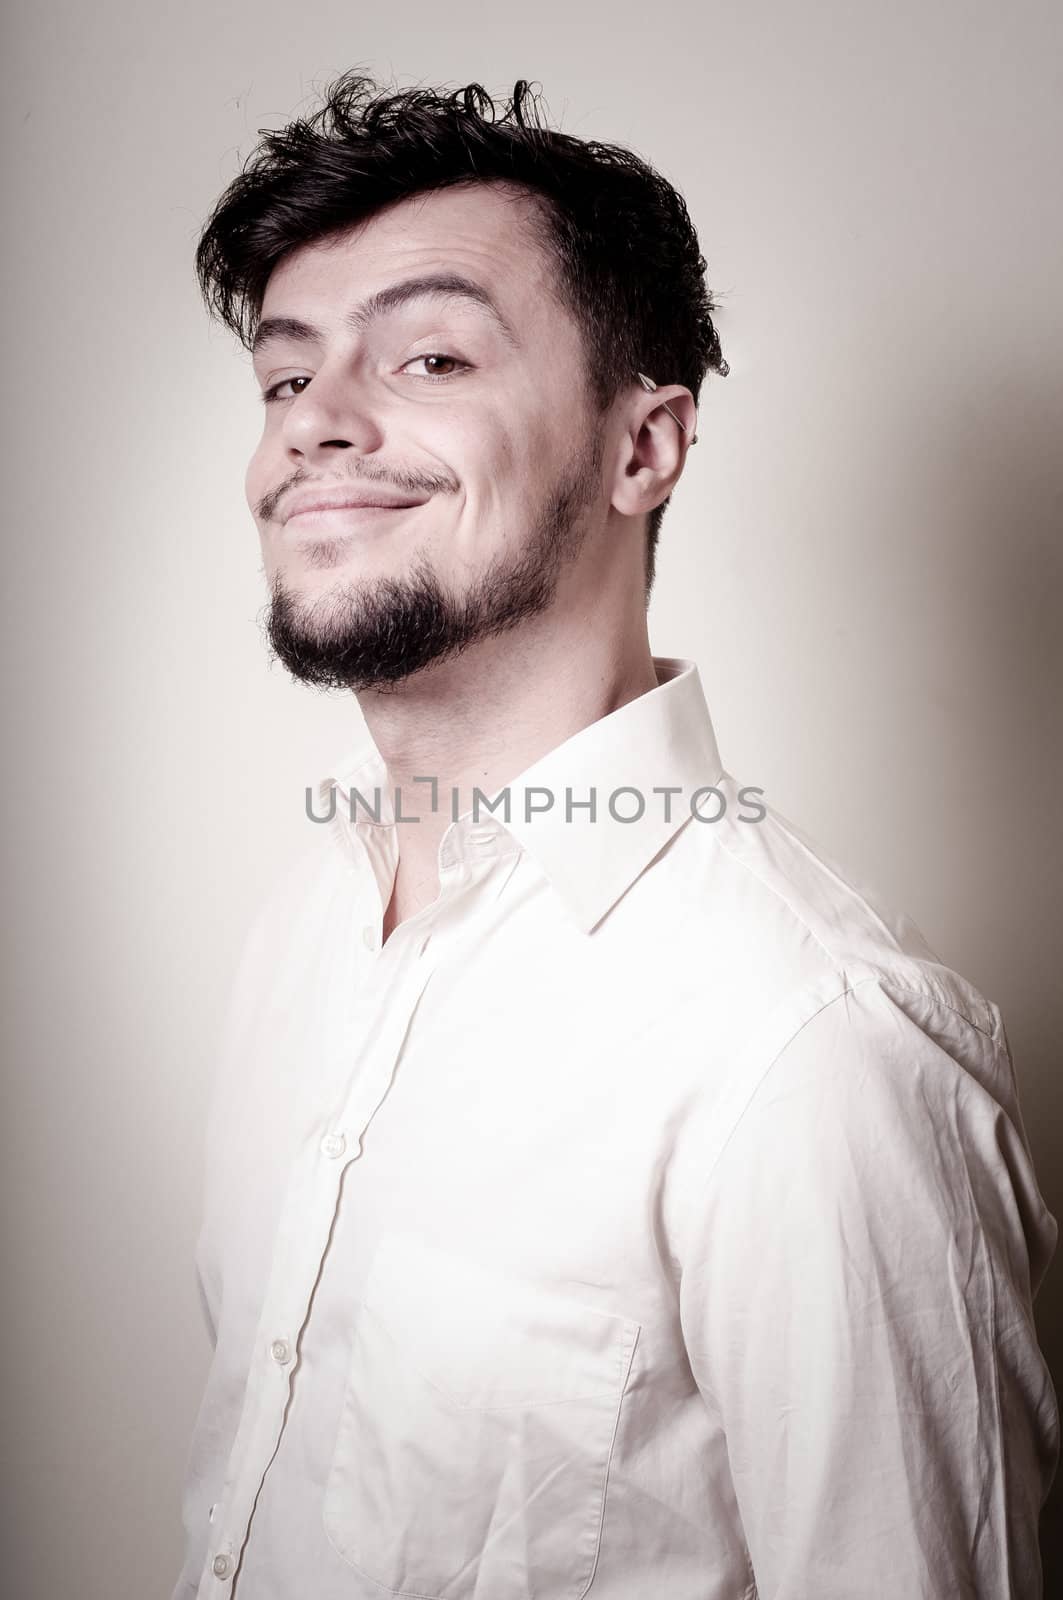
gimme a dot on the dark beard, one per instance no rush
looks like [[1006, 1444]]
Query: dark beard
[[367, 636]]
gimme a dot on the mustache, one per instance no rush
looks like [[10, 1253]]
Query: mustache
[[401, 482]]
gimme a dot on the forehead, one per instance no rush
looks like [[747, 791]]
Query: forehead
[[482, 231]]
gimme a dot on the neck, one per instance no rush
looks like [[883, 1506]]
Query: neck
[[480, 719]]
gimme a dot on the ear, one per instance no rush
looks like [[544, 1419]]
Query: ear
[[653, 448]]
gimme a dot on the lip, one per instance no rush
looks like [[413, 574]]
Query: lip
[[301, 505], [344, 516]]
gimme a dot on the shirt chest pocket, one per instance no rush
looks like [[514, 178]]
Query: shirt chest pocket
[[475, 1432]]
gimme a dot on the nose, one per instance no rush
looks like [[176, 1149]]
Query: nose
[[332, 413]]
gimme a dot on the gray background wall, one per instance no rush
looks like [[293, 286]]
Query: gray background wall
[[863, 557]]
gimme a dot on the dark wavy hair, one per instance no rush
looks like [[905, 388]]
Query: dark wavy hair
[[626, 256]]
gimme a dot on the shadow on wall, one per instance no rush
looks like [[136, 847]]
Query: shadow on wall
[[1007, 473]]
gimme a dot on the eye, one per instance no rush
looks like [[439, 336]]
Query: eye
[[272, 394], [438, 355], [269, 395]]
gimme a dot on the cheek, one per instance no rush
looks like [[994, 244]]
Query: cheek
[[494, 443], [492, 457]]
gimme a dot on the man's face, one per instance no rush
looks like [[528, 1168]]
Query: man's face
[[492, 440]]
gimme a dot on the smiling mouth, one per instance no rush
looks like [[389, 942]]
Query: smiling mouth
[[339, 516]]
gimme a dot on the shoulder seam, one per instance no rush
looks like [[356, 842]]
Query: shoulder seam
[[850, 985], [755, 1086]]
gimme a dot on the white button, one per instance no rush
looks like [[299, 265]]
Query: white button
[[222, 1566], [333, 1145], [370, 936], [281, 1351]]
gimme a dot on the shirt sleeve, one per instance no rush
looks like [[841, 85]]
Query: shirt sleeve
[[856, 1301]]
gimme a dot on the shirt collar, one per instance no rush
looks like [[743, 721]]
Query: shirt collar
[[661, 740]]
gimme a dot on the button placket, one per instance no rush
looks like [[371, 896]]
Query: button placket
[[305, 1224], [394, 1007]]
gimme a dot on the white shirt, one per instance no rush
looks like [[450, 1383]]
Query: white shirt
[[651, 1215]]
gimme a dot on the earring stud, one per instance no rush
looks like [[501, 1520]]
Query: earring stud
[[649, 385]]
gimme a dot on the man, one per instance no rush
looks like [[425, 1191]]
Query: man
[[603, 1195]]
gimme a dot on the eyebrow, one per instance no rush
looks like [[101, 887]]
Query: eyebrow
[[443, 285]]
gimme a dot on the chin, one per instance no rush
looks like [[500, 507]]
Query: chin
[[319, 568]]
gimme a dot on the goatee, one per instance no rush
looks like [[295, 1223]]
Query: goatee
[[369, 635]]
